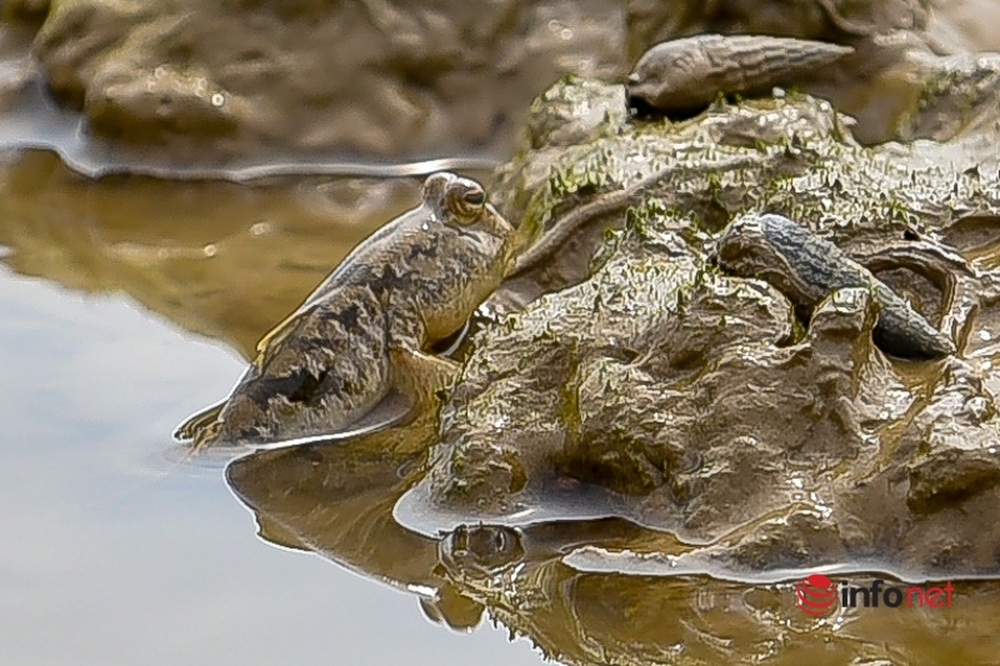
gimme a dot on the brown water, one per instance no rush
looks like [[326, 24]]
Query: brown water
[[128, 302], [125, 304]]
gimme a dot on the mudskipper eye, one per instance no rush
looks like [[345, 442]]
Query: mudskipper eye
[[466, 199]]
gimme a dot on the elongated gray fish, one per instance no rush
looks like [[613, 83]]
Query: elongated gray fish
[[807, 269]]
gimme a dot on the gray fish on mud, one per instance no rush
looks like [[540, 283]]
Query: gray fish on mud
[[807, 269], [361, 340], [684, 76]]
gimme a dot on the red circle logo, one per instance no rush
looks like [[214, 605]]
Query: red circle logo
[[815, 595]]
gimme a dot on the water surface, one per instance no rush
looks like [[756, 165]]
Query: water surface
[[125, 304]]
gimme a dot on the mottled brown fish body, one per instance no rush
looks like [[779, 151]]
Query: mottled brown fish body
[[686, 75], [413, 282], [456, 271], [430, 274], [328, 370], [807, 269]]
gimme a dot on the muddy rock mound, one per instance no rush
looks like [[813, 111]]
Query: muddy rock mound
[[644, 380], [306, 76]]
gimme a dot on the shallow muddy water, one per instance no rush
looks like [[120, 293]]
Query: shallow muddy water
[[117, 319], [128, 302]]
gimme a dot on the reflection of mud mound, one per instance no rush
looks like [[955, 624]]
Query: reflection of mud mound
[[759, 415], [337, 501], [219, 259], [586, 618]]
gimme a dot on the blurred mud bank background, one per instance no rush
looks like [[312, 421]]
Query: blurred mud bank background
[[208, 81], [176, 175]]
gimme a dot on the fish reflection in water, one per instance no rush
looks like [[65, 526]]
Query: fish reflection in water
[[337, 500], [481, 549]]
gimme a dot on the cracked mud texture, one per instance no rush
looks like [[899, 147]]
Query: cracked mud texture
[[702, 401]]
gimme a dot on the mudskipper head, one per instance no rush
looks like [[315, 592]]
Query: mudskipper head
[[746, 249], [461, 203], [661, 80], [456, 199], [646, 82]]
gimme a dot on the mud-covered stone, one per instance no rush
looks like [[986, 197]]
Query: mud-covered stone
[[210, 79], [708, 404]]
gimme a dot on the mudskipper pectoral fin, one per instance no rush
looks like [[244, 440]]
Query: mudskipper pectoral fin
[[417, 377], [421, 376]]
